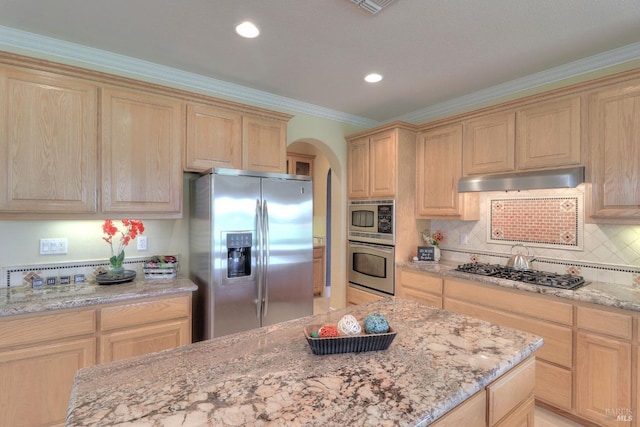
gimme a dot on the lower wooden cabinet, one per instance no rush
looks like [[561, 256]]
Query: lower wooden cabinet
[[36, 381], [418, 286], [507, 402], [146, 327], [357, 296], [40, 353], [318, 270]]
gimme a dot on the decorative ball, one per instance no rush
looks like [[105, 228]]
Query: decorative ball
[[349, 325], [376, 323], [328, 331], [315, 334]]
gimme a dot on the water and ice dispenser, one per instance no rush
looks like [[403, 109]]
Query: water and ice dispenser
[[238, 254]]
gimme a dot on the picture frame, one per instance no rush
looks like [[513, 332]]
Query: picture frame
[[426, 253]]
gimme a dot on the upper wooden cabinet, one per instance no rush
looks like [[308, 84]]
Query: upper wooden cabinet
[[142, 138], [373, 162], [48, 143], [438, 169], [489, 144], [264, 144], [300, 164], [543, 135], [214, 138], [219, 136], [614, 137]]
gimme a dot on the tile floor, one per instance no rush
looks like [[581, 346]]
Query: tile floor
[[544, 418]]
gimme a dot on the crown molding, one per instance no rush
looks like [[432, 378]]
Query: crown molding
[[21, 42], [25, 43], [573, 69]]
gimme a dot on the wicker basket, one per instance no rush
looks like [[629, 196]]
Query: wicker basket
[[348, 344]]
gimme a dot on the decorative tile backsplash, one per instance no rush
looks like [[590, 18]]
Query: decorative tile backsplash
[[606, 253], [23, 274], [536, 221]]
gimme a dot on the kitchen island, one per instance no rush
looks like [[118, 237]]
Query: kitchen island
[[269, 376]]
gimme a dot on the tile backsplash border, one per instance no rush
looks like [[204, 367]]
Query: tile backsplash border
[[18, 275]]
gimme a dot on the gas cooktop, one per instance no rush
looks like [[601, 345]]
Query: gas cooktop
[[536, 277]]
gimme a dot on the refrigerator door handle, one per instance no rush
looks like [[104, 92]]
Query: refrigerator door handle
[[267, 260], [259, 260]]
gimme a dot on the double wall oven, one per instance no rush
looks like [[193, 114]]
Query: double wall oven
[[371, 246]]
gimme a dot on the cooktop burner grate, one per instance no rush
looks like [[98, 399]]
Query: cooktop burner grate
[[536, 277]]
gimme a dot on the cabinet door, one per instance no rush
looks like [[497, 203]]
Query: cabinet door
[[318, 270], [143, 340], [382, 167], [264, 145], [48, 143], [300, 164], [37, 381], [489, 144], [214, 138], [603, 378], [439, 167], [142, 138], [615, 154], [548, 135], [523, 416], [358, 168]]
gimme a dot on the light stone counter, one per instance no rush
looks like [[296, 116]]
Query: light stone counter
[[269, 376], [25, 299], [622, 296]]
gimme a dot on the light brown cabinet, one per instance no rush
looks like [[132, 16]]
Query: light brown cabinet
[[552, 320], [48, 143], [542, 135], [40, 353], [223, 137], [214, 138], [300, 164], [378, 162], [144, 327], [39, 356], [357, 296], [372, 166], [264, 144], [489, 144], [603, 367], [318, 270], [142, 140], [438, 169], [507, 402], [418, 286], [614, 136]]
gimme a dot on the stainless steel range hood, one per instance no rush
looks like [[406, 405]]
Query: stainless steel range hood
[[556, 178]]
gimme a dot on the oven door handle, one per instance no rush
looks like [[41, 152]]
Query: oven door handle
[[385, 249]]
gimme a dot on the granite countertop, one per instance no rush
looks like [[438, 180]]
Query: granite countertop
[[616, 295], [25, 299], [269, 376]]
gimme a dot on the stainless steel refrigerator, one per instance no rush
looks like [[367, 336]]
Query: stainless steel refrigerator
[[251, 250]]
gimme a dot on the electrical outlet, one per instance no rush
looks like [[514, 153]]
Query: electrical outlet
[[464, 239], [142, 243], [53, 246]]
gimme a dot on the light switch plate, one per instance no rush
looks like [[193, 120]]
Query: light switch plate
[[142, 243], [53, 246]]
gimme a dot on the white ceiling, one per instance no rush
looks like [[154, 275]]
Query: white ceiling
[[429, 51]]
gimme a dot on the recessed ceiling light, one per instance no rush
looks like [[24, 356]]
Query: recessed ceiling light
[[373, 78], [247, 29]]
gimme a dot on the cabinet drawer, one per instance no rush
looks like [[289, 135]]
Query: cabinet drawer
[[553, 385], [39, 328], [509, 391], [357, 296], [534, 306], [470, 413], [318, 252], [604, 322], [122, 316], [557, 347], [421, 281]]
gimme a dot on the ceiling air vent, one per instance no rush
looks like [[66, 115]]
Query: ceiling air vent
[[373, 6]]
